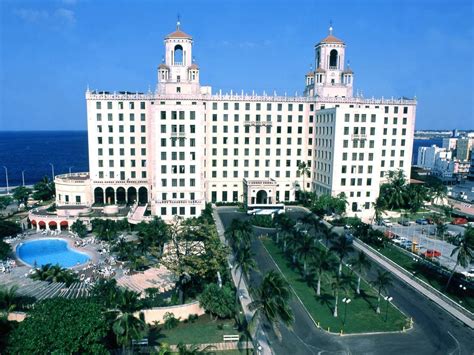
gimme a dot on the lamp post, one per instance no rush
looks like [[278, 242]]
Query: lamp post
[[6, 177], [388, 299], [23, 177], [70, 169], [346, 301], [52, 170]]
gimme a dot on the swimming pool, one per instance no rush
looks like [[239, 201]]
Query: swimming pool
[[49, 251]]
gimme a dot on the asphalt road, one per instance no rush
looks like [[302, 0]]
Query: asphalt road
[[435, 331]]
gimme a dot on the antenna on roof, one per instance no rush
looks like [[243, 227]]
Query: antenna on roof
[[330, 27], [178, 22]]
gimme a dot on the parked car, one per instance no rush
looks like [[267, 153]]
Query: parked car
[[404, 222], [429, 220], [349, 237], [421, 221], [389, 234], [432, 253], [469, 274], [459, 221], [387, 223]]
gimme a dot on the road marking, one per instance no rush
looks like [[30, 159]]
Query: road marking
[[458, 349]]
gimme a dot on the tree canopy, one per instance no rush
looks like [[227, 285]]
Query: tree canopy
[[44, 189], [61, 326], [218, 301]]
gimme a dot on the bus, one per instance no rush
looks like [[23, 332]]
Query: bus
[[260, 209]]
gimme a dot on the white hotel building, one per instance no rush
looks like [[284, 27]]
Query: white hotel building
[[175, 149]]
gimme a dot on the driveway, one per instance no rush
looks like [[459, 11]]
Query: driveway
[[435, 331]]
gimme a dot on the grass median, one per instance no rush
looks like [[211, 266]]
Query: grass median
[[412, 265], [361, 314]]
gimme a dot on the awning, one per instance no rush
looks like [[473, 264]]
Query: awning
[[52, 223], [41, 223], [64, 223], [33, 222]]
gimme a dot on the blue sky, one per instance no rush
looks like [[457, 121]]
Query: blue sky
[[51, 50]]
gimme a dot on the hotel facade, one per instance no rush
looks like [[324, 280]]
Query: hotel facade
[[170, 151]]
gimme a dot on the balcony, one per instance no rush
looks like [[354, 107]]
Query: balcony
[[180, 135], [258, 123]]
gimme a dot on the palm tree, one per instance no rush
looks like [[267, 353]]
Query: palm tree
[[54, 273], [342, 248], [244, 259], [382, 281], [379, 207], [322, 262], [360, 264], [271, 302], [8, 298], [303, 169], [239, 233], [438, 193], [338, 282], [125, 325], [304, 248], [184, 349], [464, 250]]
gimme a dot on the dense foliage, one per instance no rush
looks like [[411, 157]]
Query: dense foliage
[[8, 228], [79, 228], [21, 194], [44, 190], [61, 326], [54, 273], [324, 204], [218, 301], [264, 221]]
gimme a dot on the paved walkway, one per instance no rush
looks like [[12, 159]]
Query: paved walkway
[[245, 299], [414, 284], [230, 345]]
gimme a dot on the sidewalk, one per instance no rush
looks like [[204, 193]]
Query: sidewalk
[[245, 299], [416, 285]]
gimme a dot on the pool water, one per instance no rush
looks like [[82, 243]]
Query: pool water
[[49, 251]]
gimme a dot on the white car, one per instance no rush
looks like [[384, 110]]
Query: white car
[[387, 223]]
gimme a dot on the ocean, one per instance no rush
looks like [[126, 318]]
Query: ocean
[[34, 151]]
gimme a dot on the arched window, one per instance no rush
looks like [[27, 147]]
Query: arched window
[[333, 59], [178, 55]]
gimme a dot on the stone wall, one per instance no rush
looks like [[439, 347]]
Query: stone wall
[[181, 311]]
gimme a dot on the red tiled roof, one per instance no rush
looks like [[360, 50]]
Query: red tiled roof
[[178, 34], [331, 39]]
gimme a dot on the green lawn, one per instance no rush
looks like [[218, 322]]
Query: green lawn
[[361, 315], [202, 331], [398, 256]]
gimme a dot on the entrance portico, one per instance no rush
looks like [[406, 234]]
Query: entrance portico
[[259, 192]]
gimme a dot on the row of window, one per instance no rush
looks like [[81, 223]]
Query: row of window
[[258, 118], [256, 174], [246, 162], [121, 175], [174, 115], [178, 169], [226, 195], [178, 182], [133, 163], [120, 116], [110, 140], [175, 196], [258, 106], [120, 105], [121, 128], [177, 211], [133, 151], [289, 130], [256, 151]]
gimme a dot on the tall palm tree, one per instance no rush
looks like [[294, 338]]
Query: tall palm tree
[[304, 249], [464, 251], [379, 207], [304, 170], [338, 283], [125, 325], [382, 281], [360, 264], [271, 302], [342, 248], [244, 259], [322, 262], [438, 193], [239, 233]]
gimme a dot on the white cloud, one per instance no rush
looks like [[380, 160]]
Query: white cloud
[[59, 16], [31, 15], [65, 15]]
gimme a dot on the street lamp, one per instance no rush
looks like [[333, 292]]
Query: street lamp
[[388, 299], [346, 301], [70, 169], [52, 169], [23, 177], [6, 177]]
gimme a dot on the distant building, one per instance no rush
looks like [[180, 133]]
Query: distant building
[[427, 156], [463, 148], [449, 143]]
